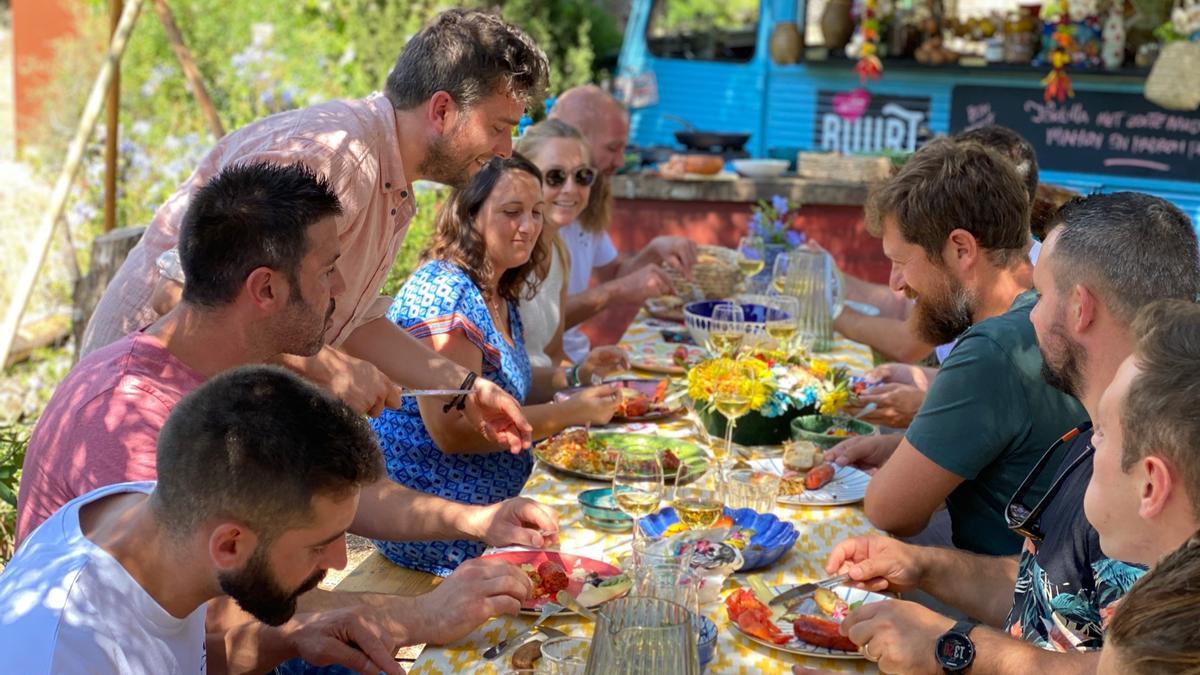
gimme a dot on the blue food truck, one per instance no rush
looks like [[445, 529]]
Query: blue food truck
[[717, 75]]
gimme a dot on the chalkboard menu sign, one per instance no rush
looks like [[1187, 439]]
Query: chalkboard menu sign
[[859, 122], [1094, 132]]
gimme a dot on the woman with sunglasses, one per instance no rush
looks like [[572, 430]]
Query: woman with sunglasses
[[559, 150], [462, 302]]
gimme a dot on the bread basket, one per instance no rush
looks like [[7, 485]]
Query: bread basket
[[715, 275]]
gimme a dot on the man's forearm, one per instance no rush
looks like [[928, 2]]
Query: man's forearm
[[981, 586], [999, 654], [402, 615], [403, 358], [390, 511], [890, 337], [890, 305]]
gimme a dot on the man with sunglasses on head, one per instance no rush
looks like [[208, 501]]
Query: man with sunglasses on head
[[1106, 257]]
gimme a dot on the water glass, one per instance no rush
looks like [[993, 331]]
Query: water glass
[[563, 656], [662, 553], [667, 582], [749, 489]]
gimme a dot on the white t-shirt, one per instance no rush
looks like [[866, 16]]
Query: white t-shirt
[[67, 606], [943, 351], [589, 250], [540, 315]]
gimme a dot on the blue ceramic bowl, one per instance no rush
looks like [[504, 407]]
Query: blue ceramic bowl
[[601, 512], [706, 642], [697, 316], [772, 539]]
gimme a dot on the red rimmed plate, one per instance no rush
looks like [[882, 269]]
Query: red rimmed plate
[[579, 569]]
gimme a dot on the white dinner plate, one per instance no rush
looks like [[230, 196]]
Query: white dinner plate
[[849, 485]]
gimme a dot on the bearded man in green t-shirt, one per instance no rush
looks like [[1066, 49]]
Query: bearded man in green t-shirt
[[954, 223]]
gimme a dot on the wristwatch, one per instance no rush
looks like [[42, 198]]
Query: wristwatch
[[955, 651]]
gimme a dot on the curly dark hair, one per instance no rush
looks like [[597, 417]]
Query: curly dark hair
[[469, 54], [457, 239]]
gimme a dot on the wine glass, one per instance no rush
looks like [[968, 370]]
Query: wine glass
[[697, 506], [779, 273], [732, 401], [752, 256], [638, 483], [783, 320], [725, 332]]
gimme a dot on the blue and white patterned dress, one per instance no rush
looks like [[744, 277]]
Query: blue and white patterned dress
[[439, 298]]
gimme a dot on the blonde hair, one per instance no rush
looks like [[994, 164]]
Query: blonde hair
[[530, 144]]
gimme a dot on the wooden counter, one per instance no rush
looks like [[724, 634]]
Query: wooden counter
[[740, 190]]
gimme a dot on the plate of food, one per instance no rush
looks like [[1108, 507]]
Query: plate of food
[[593, 454], [825, 484], [809, 627], [591, 582], [665, 358], [666, 307], [641, 400]]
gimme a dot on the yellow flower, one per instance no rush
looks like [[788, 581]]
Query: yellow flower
[[749, 377], [819, 368], [834, 401]]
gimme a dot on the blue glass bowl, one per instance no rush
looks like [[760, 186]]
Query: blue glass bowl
[[772, 539], [706, 642]]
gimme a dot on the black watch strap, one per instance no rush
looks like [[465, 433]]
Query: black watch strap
[[955, 651]]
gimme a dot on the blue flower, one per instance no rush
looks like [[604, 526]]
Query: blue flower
[[795, 238], [756, 219], [780, 204], [805, 397], [775, 405]]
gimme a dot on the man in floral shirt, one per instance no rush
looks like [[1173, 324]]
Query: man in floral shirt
[[1105, 258]]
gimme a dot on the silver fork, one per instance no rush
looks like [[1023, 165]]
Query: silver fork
[[498, 649]]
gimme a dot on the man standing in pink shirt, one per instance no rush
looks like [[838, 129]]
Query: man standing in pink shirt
[[450, 104]]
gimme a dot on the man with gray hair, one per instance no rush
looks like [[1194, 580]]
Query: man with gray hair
[[1105, 258]]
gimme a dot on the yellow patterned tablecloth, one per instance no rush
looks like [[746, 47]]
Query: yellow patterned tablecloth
[[819, 530]]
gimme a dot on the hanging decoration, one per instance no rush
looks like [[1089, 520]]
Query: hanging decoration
[[869, 67], [1058, 83]]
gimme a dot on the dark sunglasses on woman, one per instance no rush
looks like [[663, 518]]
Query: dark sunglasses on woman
[[584, 177]]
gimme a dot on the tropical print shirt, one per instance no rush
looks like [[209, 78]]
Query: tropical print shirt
[[1067, 588]]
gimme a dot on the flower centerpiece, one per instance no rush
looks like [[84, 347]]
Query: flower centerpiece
[[780, 388], [772, 220]]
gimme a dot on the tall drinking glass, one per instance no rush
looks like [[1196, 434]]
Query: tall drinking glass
[[780, 273], [732, 401], [638, 483]]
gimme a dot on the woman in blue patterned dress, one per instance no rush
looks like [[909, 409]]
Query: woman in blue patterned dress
[[462, 302]]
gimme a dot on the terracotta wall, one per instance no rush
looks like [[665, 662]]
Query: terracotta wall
[[36, 24]]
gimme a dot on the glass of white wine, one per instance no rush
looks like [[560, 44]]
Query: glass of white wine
[[638, 483], [779, 273], [783, 320], [699, 507], [752, 257], [732, 401], [725, 332]]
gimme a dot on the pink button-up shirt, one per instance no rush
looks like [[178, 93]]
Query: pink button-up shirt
[[353, 144]]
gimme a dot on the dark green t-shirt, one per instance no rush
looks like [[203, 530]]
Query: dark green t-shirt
[[988, 417]]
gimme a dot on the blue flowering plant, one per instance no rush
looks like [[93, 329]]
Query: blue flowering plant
[[772, 220]]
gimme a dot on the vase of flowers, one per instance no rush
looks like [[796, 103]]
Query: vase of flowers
[[772, 221], [781, 388]]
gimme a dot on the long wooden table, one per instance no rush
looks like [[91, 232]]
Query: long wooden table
[[819, 528]]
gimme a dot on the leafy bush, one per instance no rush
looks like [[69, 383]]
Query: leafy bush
[[14, 438]]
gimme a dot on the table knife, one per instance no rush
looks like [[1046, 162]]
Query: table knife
[[807, 589]]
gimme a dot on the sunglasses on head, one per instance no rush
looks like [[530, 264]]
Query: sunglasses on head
[[584, 177], [1024, 520]]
